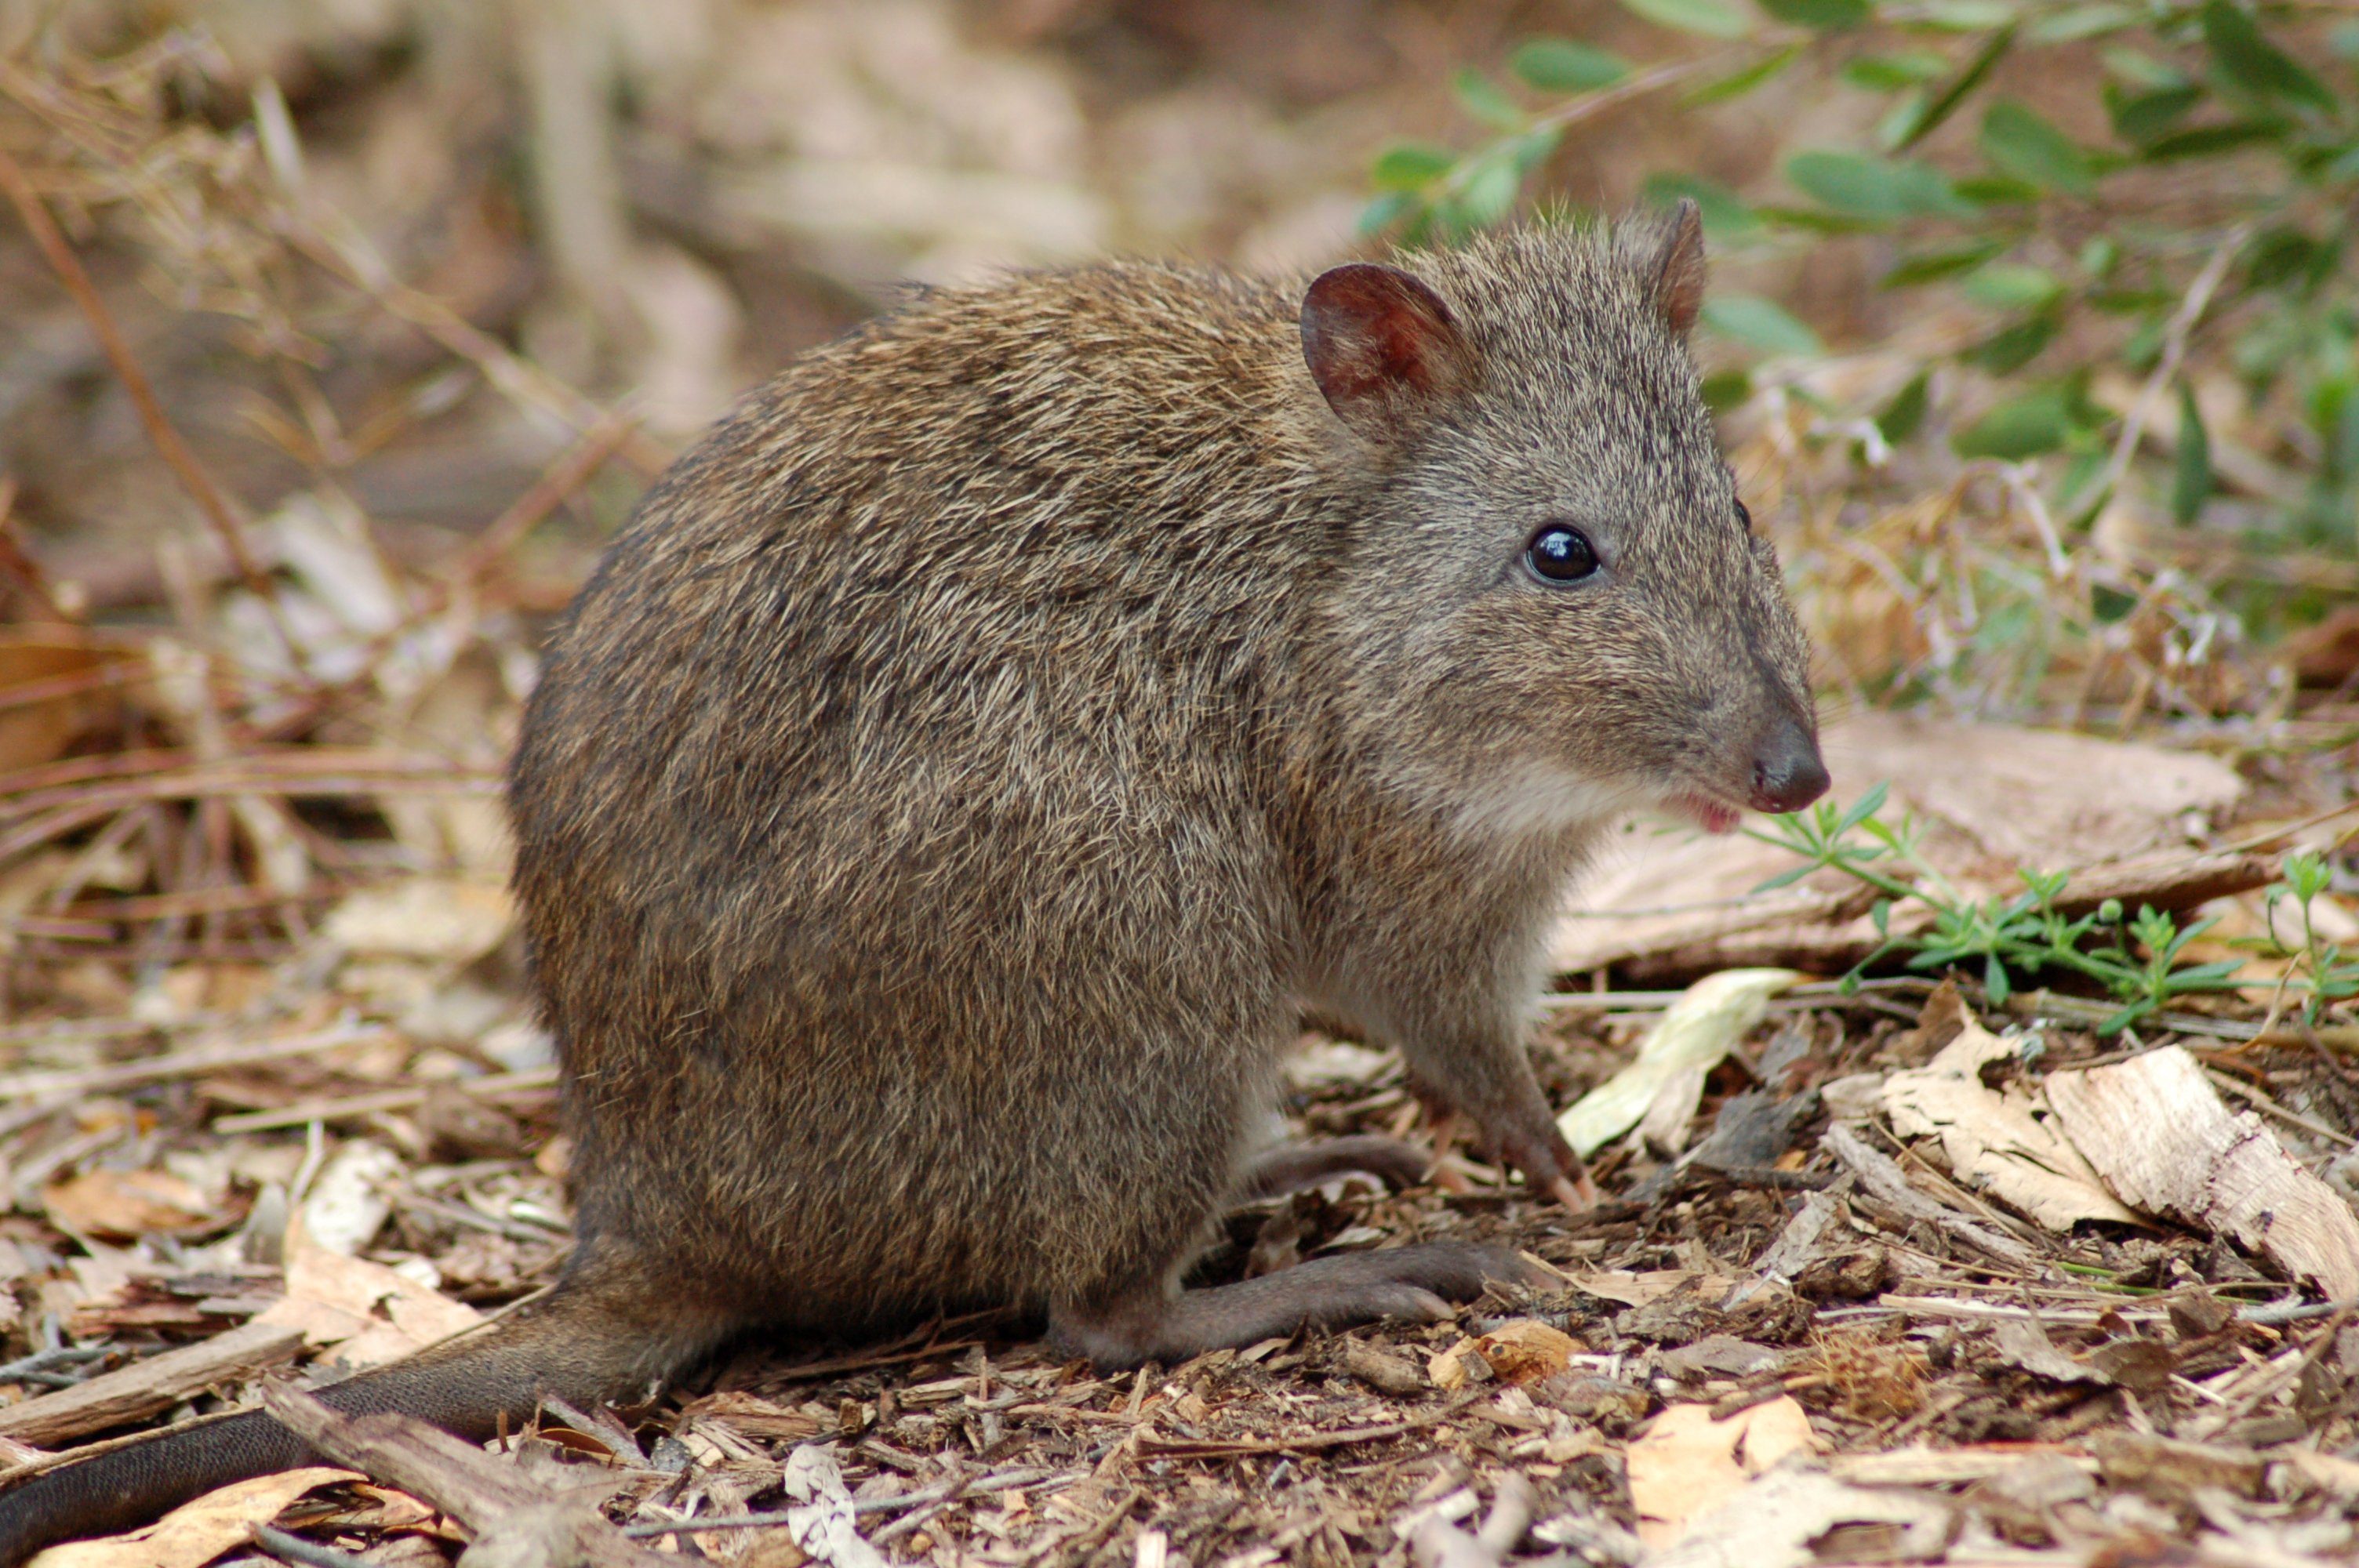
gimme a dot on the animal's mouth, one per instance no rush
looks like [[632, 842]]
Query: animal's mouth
[[1707, 812]]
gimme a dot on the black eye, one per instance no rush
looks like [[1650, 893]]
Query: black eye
[[1744, 517], [1559, 554]]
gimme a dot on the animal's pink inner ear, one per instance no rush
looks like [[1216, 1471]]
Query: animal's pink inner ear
[[1677, 285], [1375, 340]]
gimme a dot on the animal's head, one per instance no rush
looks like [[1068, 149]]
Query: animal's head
[[1556, 601]]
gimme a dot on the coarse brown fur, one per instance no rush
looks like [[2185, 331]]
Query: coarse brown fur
[[940, 805]]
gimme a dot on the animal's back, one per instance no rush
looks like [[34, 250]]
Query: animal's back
[[879, 764]]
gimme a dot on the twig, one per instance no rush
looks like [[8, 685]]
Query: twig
[[941, 1492], [183, 1064], [308, 1553], [345, 1108], [2175, 334], [166, 440], [1885, 1179], [350, 260], [572, 469]]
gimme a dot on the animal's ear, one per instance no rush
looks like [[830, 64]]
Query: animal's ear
[[1382, 346], [1673, 271]]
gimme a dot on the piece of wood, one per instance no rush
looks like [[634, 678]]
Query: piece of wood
[[1884, 1179], [348, 1108], [144, 1388], [514, 1516], [184, 1064], [2159, 1136]]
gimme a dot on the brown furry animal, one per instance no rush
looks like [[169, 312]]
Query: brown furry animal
[[940, 805]]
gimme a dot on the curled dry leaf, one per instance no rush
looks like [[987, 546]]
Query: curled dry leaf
[[1695, 1032], [1513, 1353], [2004, 1140]]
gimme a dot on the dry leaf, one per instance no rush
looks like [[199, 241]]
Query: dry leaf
[[1695, 1032], [425, 917], [122, 1205], [2001, 1140], [196, 1532], [1688, 1464], [64, 662], [344, 1209], [1778, 1520], [372, 1313], [1513, 1353]]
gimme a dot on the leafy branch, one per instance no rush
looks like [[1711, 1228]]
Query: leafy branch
[[2265, 121], [2141, 961]]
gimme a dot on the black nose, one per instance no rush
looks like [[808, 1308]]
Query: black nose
[[1788, 772]]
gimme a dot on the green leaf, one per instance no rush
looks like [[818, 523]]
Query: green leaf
[[1998, 190], [1737, 85], [1874, 189], [1531, 149], [2142, 70], [2142, 118], [2013, 286], [1826, 16], [1891, 72], [1931, 265], [2190, 482], [1863, 808], [2082, 21], [2021, 427], [1489, 193], [2019, 141], [1765, 325], [1944, 103], [1965, 16], [1409, 166], [1712, 18], [2247, 58], [1904, 415], [1725, 390], [1564, 65], [1725, 215], [1392, 207], [2011, 348], [1480, 97], [2280, 255], [2201, 141]]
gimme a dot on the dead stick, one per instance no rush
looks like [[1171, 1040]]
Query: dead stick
[[174, 451], [573, 469]]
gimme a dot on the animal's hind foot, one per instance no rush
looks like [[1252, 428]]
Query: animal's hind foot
[[1292, 1167], [1414, 1283]]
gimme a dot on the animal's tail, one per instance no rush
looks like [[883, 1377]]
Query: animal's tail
[[580, 1345]]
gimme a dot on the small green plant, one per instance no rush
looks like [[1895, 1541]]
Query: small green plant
[[2141, 962], [2318, 969]]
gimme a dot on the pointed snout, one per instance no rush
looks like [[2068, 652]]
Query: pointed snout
[[1788, 771]]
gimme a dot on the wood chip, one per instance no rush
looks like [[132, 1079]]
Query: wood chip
[[144, 1388], [485, 1494], [2159, 1135]]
